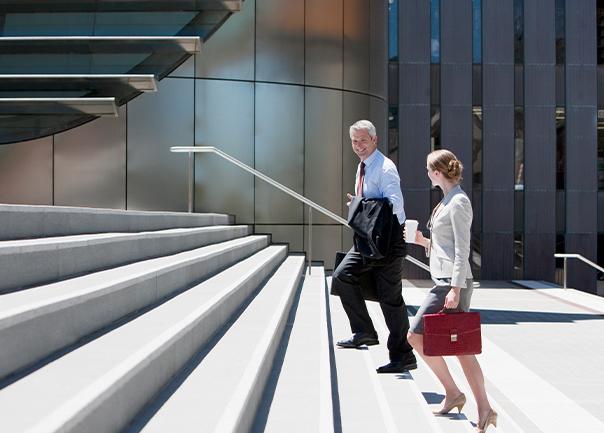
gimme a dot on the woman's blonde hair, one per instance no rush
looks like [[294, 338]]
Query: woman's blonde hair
[[446, 162]]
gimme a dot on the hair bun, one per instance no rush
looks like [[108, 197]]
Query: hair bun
[[454, 168]]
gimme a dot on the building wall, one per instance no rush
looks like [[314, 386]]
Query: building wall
[[513, 87], [276, 86]]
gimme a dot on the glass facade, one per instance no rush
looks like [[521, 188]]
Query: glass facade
[[551, 80]]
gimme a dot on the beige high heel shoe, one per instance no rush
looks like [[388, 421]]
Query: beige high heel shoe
[[491, 418], [458, 402]]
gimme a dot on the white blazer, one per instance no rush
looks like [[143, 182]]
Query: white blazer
[[449, 249]]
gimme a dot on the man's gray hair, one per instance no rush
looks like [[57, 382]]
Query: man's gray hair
[[363, 125]]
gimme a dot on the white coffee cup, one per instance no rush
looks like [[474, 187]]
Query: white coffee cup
[[410, 229]]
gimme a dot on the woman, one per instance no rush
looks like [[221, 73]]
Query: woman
[[449, 251]]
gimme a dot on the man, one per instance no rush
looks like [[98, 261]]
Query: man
[[377, 177]]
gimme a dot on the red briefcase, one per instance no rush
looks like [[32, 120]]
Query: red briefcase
[[452, 334]]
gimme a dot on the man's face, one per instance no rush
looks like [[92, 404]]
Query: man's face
[[362, 143]]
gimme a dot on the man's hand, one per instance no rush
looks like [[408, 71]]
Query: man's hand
[[350, 197]]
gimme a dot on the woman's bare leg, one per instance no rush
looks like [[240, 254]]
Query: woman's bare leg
[[438, 365]]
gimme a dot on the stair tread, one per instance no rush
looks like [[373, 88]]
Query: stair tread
[[76, 289], [303, 385], [88, 371], [57, 242], [392, 402], [203, 396]]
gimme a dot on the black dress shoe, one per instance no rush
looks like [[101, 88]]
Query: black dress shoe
[[409, 363], [357, 340]]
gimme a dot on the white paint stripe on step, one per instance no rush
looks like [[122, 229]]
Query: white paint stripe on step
[[379, 393], [325, 391], [422, 403]]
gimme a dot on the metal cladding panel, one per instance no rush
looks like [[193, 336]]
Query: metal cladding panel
[[414, 84], [456, 82], [581, 140], [498, 148], [456, 31], [378, 42], [90, 164], [456, 135], [539, 139], [539, 265], [280, 41], [539, 32], [414, 135], [224, 118], [414, 31], [581, 147], [539, 148], [324, 43], [290, 234], [357, 55], [26, 172], [279, 152], [326, 240], [497, 259], [414, 115], [229, 53], [157, 178], [378, 114], [539, 211], [540, 87], [354, 107], [323, 152], [580, 275], [580, 32]]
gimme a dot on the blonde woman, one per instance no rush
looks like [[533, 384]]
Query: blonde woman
[[449, 249]]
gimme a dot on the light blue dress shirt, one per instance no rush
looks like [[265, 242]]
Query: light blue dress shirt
[[382, 181]]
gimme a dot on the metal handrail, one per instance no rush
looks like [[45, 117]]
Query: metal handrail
[[579, 257], [311, 204]]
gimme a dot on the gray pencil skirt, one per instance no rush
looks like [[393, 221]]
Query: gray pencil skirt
[[435, 301]]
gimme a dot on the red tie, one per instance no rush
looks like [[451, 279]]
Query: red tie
[[361, 178]]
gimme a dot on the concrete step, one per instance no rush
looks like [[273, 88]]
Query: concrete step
[[35, 323], [24, 263], [391, 402], [27, 222], [222, 392], [300, 384], [100, 386]]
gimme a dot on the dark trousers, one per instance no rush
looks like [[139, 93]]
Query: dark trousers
[[386, 274]]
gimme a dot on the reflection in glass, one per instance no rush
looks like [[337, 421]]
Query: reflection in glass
[[477, 128], [393, 133], [476, 254], [560, 147], [393, 30], [600, 150], [519, 31], [560, 31], [519, 148], [600, 30], [435, 128], [477, 31], [518, 256], [435, 30]]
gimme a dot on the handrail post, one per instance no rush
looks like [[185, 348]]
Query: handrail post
[[309, 240], [191, 181], [564, 272]]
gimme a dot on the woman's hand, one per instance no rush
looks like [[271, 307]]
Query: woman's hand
[[452, 298], [420, 239]]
